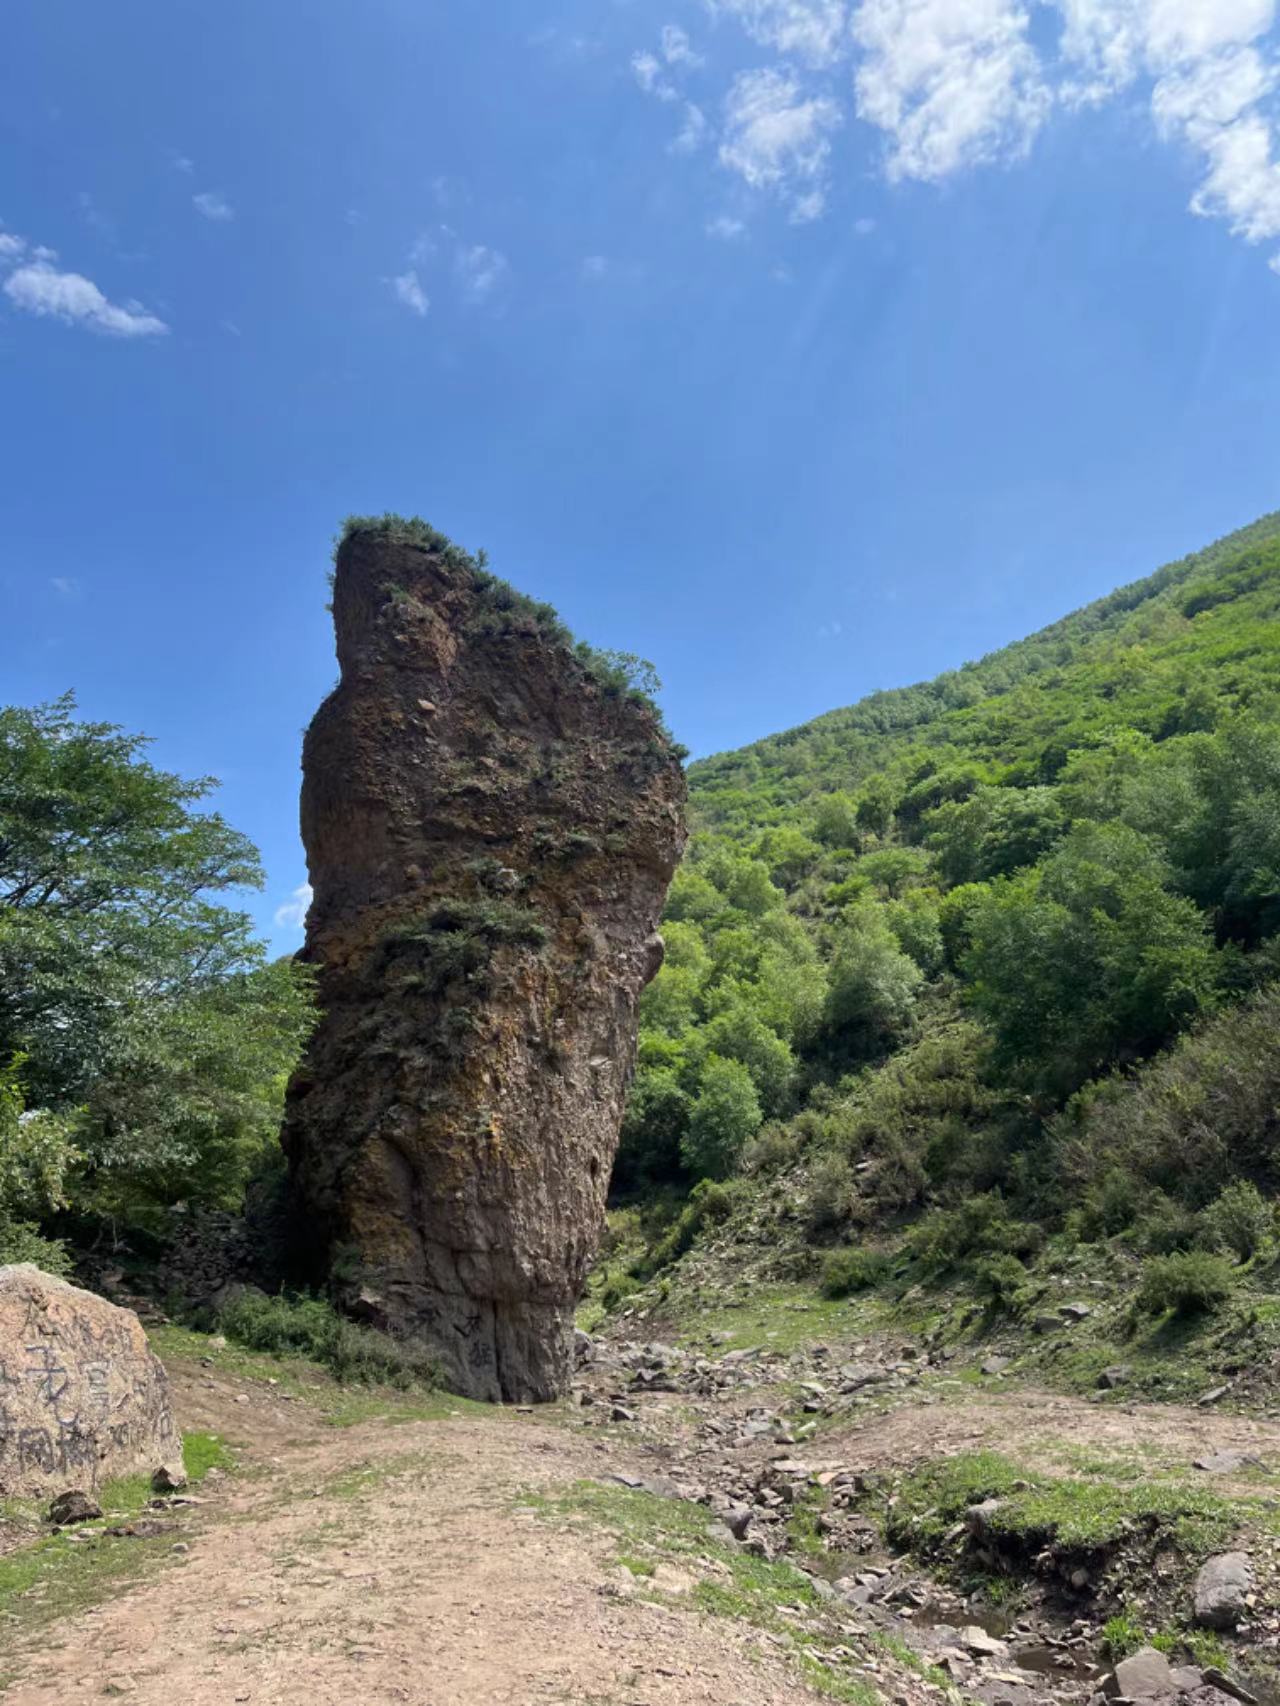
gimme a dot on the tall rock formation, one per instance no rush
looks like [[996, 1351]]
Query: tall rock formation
[[491, 820]]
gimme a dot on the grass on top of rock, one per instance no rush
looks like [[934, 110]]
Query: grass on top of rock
[[1076, 1517], [504, 609]]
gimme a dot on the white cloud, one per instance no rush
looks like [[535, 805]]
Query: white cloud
[[181, 163], [292, 915], [811, 30], [1210, 91], [693, 133], [646, 68], [594, 267], [677, 48], [725, 227], [863, 227], [67, 587], [10, 247], [407, 289], [778, 138], [37, 287], [213, 206], [952, 83], [480, 271]]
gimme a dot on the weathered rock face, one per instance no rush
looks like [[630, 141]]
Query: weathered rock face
[[82, 1397], [490, 830]]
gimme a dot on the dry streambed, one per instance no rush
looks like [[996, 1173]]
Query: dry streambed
[[1017, 1541]]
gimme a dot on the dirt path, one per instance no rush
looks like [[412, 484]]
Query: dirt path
[[394, 1564], [402, 1563]]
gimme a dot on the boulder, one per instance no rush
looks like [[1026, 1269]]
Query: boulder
[[72, 1507], [491, 822], [82, 1396], [1119, 1374], [1222, 1589], [974, 1639], [1144, 1675], [1228, 1462]]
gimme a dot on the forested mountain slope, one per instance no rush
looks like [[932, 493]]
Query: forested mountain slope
[[929, 944], [1130, 658]]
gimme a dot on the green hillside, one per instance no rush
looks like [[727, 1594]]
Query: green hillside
[[934, 949], [1132, 659]]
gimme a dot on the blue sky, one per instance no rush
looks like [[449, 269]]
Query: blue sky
[[805, 347]]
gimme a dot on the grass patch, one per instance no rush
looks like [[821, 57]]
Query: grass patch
[[803, 1526], [823, 1679], [202, 1452], [312, 1328], [62, 1573], [1073, 1514], [792, 1317], [303, 1379]]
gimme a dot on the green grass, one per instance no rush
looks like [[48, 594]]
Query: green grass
[[202, 1452], [1075, 1513], [802, 1526], [790, 1317], [58, 1574], [307, 1381], [823, 1679]]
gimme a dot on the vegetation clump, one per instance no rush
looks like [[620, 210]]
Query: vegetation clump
[[1186, 1282], [503, 608], [310, 1327], [1022, 1513]]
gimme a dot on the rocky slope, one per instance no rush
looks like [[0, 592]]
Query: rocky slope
[[492, 817]]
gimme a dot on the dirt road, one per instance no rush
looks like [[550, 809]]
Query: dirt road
[[405, 1562], [393, 1564]]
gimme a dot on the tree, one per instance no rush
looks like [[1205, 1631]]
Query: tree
[[835, 821], [1088, 960], [693, 896], [724, 1116], [873, 984], [740, 1034], [656, 1120], [134, 995], [994, 832]]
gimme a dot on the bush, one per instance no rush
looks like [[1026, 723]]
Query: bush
[[1193, 1121], [1166, 1226], [22, 1242], [1001, 1280], [979, 1226], [1238, 1219], [772, 1148], [847, 1271], [311, 1327], [709, 1202], [829, 1201], [1189, 1282], [1111, 1205]]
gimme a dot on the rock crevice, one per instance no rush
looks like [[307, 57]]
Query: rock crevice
[[491, 820]]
